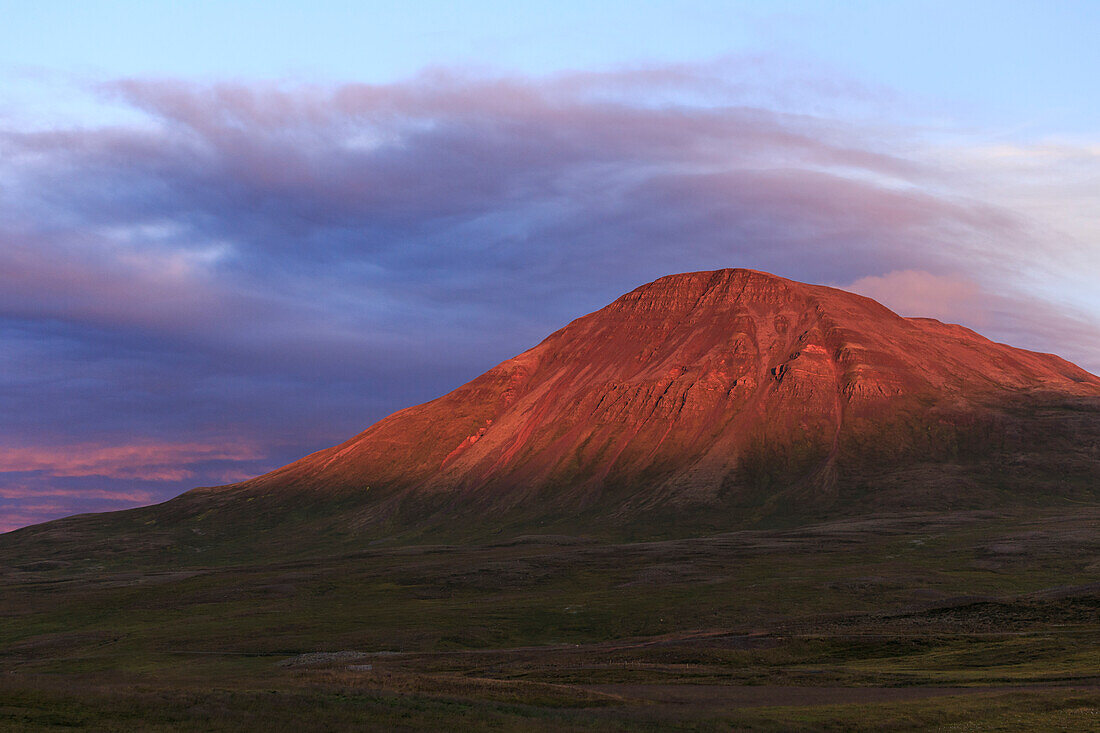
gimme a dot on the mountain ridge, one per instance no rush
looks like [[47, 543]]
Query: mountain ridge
[[670, 360], [700, 401]]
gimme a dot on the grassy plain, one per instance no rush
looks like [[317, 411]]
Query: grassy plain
[[970, 620]]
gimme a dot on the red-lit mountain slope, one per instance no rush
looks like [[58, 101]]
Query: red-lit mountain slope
[[700, 401], [701, 388]]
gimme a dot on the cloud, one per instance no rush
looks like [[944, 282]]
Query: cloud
[[26, 492], [279, 265], [14, 520], [1012, 317], [919, 293], [149, 461]]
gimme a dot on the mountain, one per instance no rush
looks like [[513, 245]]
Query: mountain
[[702, 400]]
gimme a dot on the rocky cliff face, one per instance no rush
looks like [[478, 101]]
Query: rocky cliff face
[[733, 388]]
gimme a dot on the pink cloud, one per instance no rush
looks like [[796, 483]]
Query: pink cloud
[[149, 461], [14, 520], [917, 293], [46, 508], [28, 492], [1006, 315]]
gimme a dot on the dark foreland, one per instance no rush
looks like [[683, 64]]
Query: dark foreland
[[725, 500]]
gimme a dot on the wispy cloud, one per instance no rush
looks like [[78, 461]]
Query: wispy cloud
[[150, 461], [961, 299], [26, 492]]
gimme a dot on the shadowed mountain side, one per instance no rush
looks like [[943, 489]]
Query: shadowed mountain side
[[704, 400]]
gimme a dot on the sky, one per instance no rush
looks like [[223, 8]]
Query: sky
[[235, 233]]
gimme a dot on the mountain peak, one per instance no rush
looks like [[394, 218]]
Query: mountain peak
[[692, 389], [714, 285], [731, 289]]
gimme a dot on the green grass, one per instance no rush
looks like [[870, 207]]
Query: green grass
[[549, 635]]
